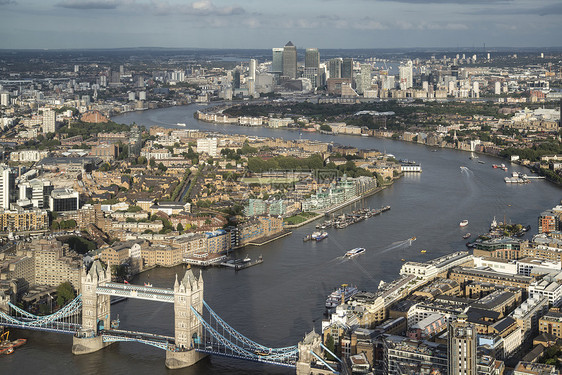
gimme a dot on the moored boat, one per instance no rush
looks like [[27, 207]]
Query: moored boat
[[466, 236], [463, 223], [321, 236], [340, 295]]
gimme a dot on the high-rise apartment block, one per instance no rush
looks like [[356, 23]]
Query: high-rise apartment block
[[49, 123], [8, 191], [462, 347]]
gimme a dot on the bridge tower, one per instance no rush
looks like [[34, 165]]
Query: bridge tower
[[95, 310], [310, 344], [188, 330]]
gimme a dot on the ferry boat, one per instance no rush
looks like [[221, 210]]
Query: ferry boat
[[355, 252], [181, 124], [463, 223], [466, 236], [341, 295]]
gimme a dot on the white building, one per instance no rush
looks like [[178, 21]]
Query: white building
[[406, 75], [527, 266], [527, 315], [550, 289], [49, 122], [7, 186], [207, 146], [496, 264], [4, 99], [432, 268]]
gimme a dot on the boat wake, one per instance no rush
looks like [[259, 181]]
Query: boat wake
[[466, 171], [398, 245]]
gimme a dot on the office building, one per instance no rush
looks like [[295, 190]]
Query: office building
[[462, 347], [37, 191], [335, 67], [290, 61], [312, 58], [347, 68], [277, 61], [8, 191], [64, 200], [252, 69]]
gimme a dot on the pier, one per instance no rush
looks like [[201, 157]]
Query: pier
[[240, 265]]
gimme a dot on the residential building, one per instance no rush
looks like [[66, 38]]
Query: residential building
[[461, 347], [208, 146], [402, 353], [55, 263], [8, 191], [551, 323], [533, 368]]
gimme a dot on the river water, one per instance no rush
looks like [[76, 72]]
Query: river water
[[277, 302]]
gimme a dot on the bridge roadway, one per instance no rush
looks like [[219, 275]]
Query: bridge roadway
[[217, 348], [159, 341], [136, 291]]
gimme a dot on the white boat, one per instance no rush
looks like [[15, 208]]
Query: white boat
[[181, 124], [341, 295], [354, 252], [463, 223]]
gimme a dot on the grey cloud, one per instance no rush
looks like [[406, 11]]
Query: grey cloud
[[197, 8], [461, 2], [89, 4], [6, 2]]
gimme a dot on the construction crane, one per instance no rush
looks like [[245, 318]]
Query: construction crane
[[5, 336]]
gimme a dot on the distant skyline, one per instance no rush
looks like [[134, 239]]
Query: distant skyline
[[62, 24]]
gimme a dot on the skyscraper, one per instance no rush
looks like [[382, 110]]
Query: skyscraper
[[49, 123], [347, 68], [334, 67], [236, 79], [290, 60], [8, 193], [312, 58], [252, 72], [406, 75], [277, 61], [364, 79], [462, 347]]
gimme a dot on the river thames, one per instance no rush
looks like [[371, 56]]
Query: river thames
[[277, 302]]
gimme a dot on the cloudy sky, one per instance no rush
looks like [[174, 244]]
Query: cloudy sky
[[270, 23]]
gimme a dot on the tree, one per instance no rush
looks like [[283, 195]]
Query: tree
[[162, 167], [331, 345], [65, 293], [179, 227], [152, 163], [141, 160], [326, 128], [105, 167]]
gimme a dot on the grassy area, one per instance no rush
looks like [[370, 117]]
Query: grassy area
[[297, 219]]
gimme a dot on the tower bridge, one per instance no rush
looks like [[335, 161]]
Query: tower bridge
[[198, 330]]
